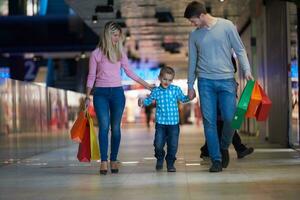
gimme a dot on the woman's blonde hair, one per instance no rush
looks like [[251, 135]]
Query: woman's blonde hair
[[112, 52]]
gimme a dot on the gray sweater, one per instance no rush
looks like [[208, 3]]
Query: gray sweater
[[210, 51]]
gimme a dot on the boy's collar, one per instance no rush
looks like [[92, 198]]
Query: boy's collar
[[163, 87]]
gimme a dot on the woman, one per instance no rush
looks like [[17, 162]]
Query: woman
[[109, 100]]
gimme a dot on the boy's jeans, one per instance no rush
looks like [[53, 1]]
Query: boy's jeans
[[109, 103], [163, 134], [211, 92]]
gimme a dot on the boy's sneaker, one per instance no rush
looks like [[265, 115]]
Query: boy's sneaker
[[225, 157], [216, 166], [244, 153], [159, 164]]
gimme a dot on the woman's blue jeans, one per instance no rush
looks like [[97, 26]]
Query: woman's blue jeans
[[166, 134], [109, 103], [211, 92]]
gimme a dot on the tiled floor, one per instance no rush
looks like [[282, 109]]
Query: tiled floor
[[270, 173]]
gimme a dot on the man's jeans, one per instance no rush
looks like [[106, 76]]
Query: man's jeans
[[211, 92], [109, 103], [166, 134]]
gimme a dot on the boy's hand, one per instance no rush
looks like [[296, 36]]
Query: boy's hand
[[141, 102]]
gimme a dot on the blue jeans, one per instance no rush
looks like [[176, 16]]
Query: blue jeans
[[166, 134], [211, 92], [109, 103]]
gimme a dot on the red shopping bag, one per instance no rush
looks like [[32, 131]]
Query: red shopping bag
[[255, 101], [78, 128], [84, 149], [264, 107]]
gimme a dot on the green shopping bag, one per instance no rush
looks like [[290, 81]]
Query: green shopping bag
[[242, 105], [95, 154]]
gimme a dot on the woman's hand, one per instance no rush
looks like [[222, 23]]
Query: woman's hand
[[87, 102], [150, 86]]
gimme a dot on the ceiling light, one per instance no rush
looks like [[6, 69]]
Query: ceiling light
[[127, 35], [82, 55], [221, 0], [95, 19]]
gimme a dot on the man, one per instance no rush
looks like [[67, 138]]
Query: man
[[241, 149], [210, 50]]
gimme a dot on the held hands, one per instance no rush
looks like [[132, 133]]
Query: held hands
[[191, 93], [151, 86], [141, 102]]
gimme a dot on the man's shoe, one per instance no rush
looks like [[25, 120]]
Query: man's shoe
[[225, 157], [159, 164], [244, 153], [170, 166], [171, 169], [216, 166]]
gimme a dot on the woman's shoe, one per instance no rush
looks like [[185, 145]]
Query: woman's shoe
[[114, 167], [103, 168]]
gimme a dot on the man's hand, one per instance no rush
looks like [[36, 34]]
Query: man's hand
[[191, 93], [249, 77]]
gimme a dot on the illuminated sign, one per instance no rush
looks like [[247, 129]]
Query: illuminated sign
[[145, 70], [294, 68], [4, 72], [145, 74]]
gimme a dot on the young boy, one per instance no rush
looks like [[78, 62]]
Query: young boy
[[166, 97]]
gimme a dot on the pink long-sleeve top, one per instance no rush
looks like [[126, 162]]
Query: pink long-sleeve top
[[104, 73]]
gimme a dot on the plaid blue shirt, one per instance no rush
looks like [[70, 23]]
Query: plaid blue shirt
[[166, 103]]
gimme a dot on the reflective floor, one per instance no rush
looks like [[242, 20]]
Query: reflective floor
[[269, 173]]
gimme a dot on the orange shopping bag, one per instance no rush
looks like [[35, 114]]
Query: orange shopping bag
[[78, 128], [255, 100]]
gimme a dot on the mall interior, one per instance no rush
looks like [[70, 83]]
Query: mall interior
[[45, 46]]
